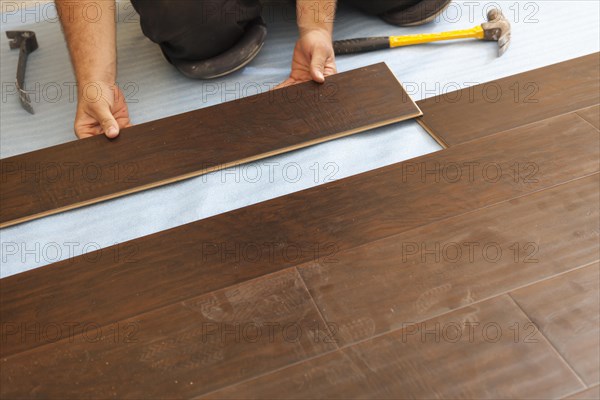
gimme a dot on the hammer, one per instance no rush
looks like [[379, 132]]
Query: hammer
[[496, 29], [26, 42]]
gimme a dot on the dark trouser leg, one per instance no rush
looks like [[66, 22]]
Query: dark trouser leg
[[376, 7], [403, 12], [199, 30], [195, 29]]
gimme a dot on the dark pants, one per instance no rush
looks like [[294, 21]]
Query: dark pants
[[201, 29]]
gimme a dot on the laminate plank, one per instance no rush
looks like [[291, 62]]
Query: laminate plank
[[470, 353], [591, 115], [180, 351], [507, 103], [424, 272], [315, 224], [567, 310], [589, 394], [83, 172]]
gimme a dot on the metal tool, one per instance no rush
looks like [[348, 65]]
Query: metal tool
[[496, 29], [26, 42]]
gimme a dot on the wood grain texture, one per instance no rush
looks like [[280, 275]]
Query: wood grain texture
[[513, 101], [446, 265], [179, 351], [452, 356], [567, 311], [592, 393], [315, 224], [591, 115], [87, 171]]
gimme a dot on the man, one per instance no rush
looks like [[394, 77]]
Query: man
[[203, 39]]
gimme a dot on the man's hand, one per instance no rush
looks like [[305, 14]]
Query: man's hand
[[92, 45], [313, 58], [101, 109]]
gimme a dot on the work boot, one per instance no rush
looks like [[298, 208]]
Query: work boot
[[417, 13]]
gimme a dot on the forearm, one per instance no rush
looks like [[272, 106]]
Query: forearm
[[90, 31], [315, 14]]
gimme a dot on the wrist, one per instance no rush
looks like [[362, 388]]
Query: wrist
[[315, 15], [320, 31], [105, 72], [92, 90], [106, 79]]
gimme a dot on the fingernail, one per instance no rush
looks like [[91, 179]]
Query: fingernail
[[112, 132]]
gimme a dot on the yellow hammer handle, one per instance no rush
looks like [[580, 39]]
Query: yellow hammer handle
[[407, 40]]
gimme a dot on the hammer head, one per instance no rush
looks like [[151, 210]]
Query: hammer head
[[26, 42], [22, 39], [498, 29]]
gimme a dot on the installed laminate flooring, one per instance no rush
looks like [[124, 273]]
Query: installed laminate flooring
[[315, 224], [516, 100], [364, 272]]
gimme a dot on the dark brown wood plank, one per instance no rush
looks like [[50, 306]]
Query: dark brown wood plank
[[591, 115], [180, 351], [424, 272], [513, 101], [173, 265], [462, 354], [588, 394], [566, 310], [78, 173]]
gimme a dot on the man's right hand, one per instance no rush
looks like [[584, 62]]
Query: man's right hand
[[101, 109]]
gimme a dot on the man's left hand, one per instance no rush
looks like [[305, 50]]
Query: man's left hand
[[313, 58]]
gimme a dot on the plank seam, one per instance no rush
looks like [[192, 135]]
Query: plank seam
[[588, 122], [314, 303], [434, 135], [580, 391], [556, 351]]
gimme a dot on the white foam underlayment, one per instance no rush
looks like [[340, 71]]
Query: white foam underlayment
[[544, 32]]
